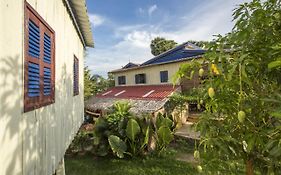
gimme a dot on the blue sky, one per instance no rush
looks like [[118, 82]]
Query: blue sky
[[123, 29]]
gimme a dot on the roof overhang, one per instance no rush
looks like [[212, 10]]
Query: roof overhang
[[78, 12], [157, 64]]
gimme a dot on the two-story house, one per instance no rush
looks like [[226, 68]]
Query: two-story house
[[147, 86], [42, 46]]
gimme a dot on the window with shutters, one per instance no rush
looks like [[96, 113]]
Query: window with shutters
[[140, 78], [75, 76], [39, 65], [163, 76]]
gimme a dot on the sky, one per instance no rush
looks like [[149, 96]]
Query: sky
[[122, 29]]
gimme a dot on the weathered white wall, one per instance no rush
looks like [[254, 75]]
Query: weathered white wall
[[152, 74], [33, 143]]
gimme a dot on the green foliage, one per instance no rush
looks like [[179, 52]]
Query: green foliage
[[163, 132], [165, 136], [88, 84], [133, 129], [159, 45], [135, 132], [118, 118], [117, 145], [94, 84], [186, 71], [202, 44], [247, 76]]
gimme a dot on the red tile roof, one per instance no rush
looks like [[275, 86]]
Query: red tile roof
[[156, 92]]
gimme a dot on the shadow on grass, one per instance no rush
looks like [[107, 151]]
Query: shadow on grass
[[88, 165], [166, 164]]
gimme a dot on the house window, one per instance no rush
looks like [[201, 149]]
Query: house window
[[163, 76], [121, 80], [140, 79], [75, 76], [39, 61]]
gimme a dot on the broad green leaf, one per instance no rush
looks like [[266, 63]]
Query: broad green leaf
[[133, 129], [117, 145], [159, 120], [146, 137], [167, 122], [165, 135]]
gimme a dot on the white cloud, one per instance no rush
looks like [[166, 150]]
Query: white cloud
[[96, 20], [151, 9], [215, 17]]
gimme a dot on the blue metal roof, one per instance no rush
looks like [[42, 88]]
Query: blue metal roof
[[182, 51], [130, 65]]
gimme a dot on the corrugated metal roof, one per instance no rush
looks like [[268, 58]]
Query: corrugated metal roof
[[183, 52], [79, 14], [144, 92]]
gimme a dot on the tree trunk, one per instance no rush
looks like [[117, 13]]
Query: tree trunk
[[249, 167]]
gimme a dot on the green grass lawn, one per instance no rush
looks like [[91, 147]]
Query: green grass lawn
[[149, 165]]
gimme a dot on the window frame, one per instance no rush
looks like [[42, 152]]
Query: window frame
[[75, 76], [163, 78], [138, 75], [120, 82], [32, 103]]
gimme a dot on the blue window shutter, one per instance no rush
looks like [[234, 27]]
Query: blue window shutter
[[47, 81], [34, 40], [33, 80], [47, 49]]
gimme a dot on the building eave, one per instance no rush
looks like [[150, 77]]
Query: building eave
[[78, 12], [157, 64]]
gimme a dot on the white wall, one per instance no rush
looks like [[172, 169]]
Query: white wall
[[152, 73], [34, 142]]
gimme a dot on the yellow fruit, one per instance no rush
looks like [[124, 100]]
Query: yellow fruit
[[241, 116], [198, 106], [211, 92], [196, 154], [199, 169], [215, 69], [201, 102], [201, 72]]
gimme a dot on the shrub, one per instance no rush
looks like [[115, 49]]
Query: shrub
[[123, 133]]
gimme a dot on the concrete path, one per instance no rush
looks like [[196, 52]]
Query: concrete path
[[186, 131]]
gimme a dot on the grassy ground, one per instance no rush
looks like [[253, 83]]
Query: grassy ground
[[150, 165]]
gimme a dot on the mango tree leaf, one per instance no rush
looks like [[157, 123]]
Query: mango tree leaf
[[117, 145], [133, 129], [276, 114], [275, 64]]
